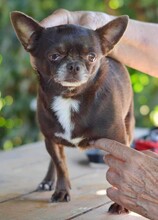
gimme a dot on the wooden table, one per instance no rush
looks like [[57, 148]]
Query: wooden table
[[22, 169]]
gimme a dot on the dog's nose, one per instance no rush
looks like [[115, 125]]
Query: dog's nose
[[73, 67]]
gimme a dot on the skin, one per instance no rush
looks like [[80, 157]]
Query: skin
[[133, 174]]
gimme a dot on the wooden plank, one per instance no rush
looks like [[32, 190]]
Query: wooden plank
[[86, 197], [23, 168], [38, 206], [83, 205]]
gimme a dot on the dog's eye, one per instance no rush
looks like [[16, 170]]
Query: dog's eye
[[54, 57], [91, 57]]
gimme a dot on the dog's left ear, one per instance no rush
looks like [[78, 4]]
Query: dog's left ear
[[111, 33], [26, 28]]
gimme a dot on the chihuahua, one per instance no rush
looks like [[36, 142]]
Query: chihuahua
[[83, 94]]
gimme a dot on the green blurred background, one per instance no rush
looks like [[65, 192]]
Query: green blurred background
[[18, 82]]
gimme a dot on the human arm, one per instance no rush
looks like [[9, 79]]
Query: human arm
[[134, 176], [137, 48]]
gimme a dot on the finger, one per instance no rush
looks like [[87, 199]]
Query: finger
[[150, 153], [117, 196], [126, 201], [114, 162], [117, 149], [113, 177], [58, 17], [88, 20], [94, 20]]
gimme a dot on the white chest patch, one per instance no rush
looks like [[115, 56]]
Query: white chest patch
[[63, 108]]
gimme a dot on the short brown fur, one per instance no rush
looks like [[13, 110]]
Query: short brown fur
[[105, 94]]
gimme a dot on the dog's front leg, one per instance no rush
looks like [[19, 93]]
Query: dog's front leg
[[62, 189], [49, 179]]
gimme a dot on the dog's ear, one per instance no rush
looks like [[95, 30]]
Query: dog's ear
[[26, 28], [111, 33]]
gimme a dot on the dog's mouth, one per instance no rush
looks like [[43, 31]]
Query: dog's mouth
[[72, 83]]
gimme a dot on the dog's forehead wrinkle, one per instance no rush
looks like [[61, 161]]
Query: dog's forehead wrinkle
[[72, 29], [69, 33], [50, 39], [70, 50], [63, 38]]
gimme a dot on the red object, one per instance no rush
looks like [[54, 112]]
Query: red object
[[146, 145]]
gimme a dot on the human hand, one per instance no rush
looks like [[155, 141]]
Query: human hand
[[88, 19], [134, 176]]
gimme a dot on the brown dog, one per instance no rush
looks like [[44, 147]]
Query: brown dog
[[83, 95]]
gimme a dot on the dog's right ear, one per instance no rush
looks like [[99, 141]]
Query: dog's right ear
[[26, 28]]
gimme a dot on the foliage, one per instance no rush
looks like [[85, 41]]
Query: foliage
[[17, 80]]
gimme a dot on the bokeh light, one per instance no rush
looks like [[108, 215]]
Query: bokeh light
[[144, 109], [154, 116], [115, 4]]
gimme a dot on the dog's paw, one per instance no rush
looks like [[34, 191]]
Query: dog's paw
[[60, 196], [45, 186], [117, 209]]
